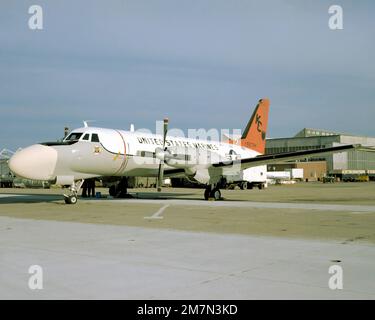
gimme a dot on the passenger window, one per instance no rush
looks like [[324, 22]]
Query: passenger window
[[86, 137], [95, 138]]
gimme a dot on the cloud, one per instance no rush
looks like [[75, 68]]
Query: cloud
[[202, 63]]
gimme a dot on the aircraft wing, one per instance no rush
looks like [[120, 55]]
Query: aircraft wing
[[273, 158], [174, 173]]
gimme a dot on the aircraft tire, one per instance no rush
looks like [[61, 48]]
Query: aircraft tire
[[71, 200], [207, 193], [112, 191], [215, 194]]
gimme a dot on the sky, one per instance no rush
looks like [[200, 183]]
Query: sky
[[202, 64]]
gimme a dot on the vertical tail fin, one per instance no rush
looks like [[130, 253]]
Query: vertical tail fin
[[254, 135]]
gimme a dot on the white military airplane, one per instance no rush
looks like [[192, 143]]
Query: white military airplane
[[91, 152]]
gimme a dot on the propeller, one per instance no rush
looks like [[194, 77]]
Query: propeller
[[160, 154]]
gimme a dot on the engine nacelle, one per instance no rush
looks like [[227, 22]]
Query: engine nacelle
[[181, 157], [187, 157], [204, 175], [201, 175]]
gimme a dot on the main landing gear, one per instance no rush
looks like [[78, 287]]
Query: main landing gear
[[120, 190], [72, 197], [212, 192]]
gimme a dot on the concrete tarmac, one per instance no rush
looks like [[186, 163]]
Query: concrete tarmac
[[175, 246], [88, 261]]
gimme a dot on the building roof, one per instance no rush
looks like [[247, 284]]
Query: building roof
[[321, 137], [312, 132]]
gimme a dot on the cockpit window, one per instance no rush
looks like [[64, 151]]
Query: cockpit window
[[74, 136], [86, 136], [95, 138]]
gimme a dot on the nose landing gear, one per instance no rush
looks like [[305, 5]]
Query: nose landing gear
[[72, 197]]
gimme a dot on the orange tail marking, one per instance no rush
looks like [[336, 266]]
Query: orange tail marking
[[254, 135]]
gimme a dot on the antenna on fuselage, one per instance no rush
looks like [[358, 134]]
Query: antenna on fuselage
[[86, 122], [132, 128]]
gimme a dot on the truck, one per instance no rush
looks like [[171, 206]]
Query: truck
[[296, 173], [248, 178], [278, 177]]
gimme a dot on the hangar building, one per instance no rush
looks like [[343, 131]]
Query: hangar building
[[340, 164], [6, 178]]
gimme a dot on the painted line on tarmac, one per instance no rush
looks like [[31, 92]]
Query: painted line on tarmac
[[13, 195], [157, 214], [248, 204]]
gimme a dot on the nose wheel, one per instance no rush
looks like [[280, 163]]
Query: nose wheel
[[72, 197]]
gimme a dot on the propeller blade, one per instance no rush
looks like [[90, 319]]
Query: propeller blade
[[161, 165], [160, 175], [166, 121]]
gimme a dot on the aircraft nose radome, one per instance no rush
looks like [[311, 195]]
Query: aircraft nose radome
[[36, 162]]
